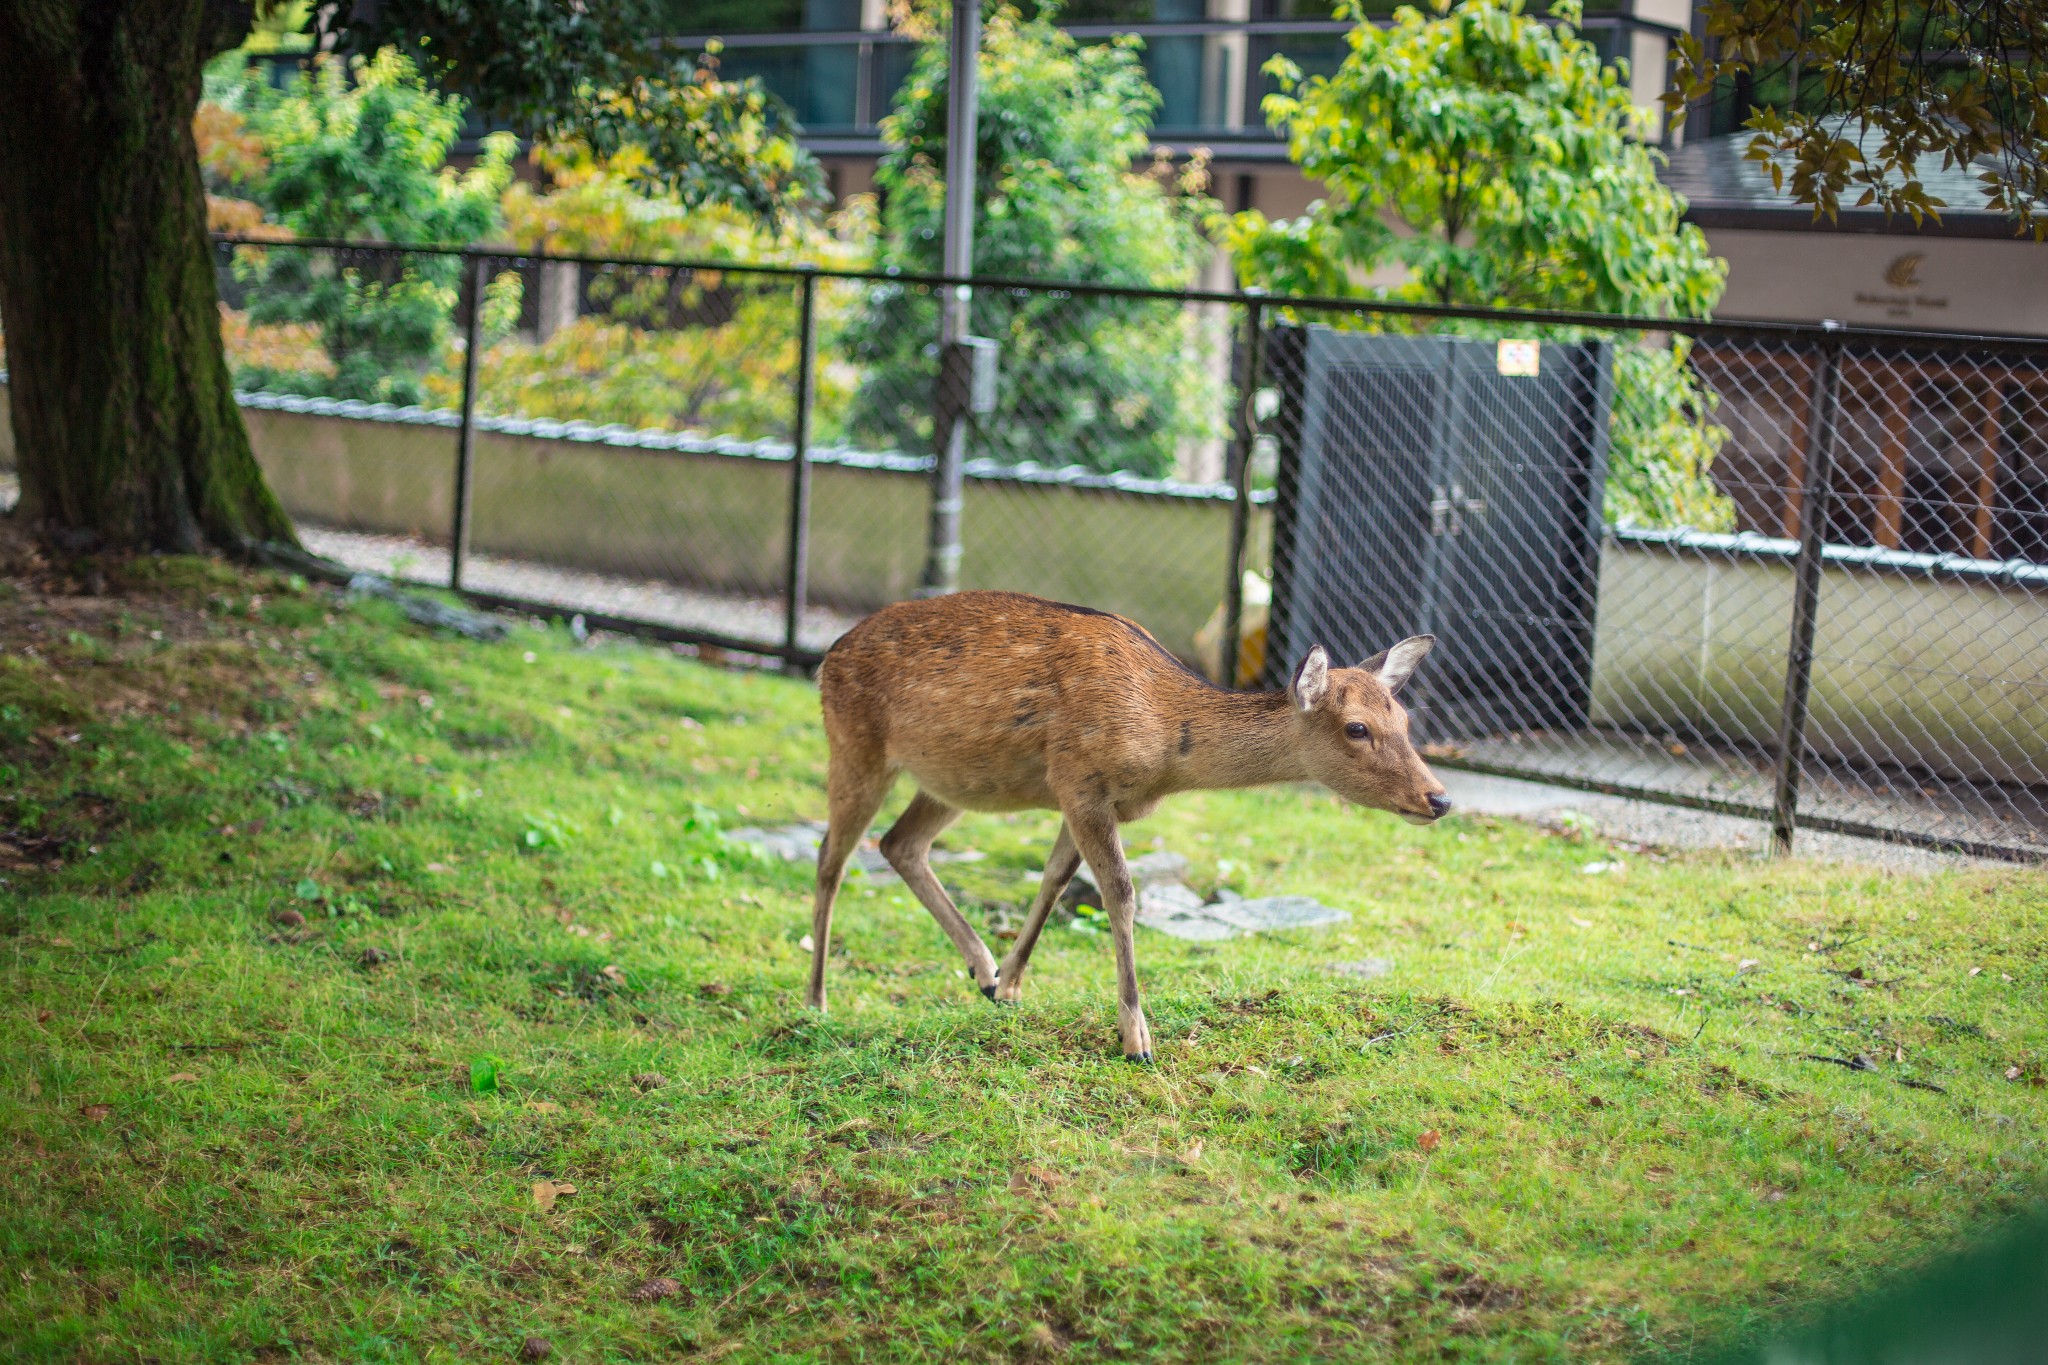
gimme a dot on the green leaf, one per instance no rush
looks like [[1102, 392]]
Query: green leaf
[[308, 889], [483, 1075]]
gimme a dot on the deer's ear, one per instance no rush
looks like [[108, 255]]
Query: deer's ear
[[1395, 666], [1311, 679]]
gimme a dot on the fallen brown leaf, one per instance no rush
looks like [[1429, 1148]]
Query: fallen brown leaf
[[1030, 1179], [536, 1348], [96, 1112], [649, 1080], [180, 1077], [546, 1192], [1430, 1140]]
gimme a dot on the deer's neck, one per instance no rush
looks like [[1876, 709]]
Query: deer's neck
[[1234, 739]]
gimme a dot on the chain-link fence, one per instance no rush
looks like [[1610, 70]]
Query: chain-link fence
[[1779, 572], [1798, 574]]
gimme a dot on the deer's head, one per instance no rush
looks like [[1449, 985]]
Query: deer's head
[[1352, 734]]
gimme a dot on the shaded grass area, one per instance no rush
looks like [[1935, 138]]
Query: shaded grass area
[[333, 951]]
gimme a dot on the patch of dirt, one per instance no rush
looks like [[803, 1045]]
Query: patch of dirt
[[183, 640]]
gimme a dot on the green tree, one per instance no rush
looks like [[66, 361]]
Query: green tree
[[1480, 157], [124, 416], [1876, 90], [1489, 156], [364, 157], [1106, 383]]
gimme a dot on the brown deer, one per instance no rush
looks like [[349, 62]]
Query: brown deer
[[995, 701]]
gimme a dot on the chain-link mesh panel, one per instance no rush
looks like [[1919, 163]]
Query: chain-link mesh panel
[[341, 358], [1930, 687], [633, 451]]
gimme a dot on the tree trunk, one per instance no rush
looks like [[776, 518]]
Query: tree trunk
[[125, 425]]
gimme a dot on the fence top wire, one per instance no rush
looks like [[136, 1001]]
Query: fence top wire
[[1831, 333]]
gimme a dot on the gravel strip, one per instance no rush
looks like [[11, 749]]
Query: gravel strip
[[1659, 826], [746, 618]]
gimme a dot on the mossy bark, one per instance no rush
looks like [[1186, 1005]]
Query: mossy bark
[[125, 425]]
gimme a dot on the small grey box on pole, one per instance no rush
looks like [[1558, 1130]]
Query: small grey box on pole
[[950, 397]]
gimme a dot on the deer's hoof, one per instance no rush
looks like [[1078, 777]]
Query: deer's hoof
[[989, 991], [1140, 1058]]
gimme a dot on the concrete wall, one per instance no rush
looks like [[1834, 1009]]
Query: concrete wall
[[1946, 671], [682, 510]]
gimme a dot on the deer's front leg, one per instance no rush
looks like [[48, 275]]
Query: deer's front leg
[[1095, 835], [1060, 866], [908, 846]]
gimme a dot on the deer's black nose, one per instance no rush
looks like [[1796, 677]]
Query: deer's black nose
[[1439, 804]]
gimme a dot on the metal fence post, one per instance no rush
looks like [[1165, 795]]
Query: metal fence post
[[1813, 512], [797, 587], [1230, 649], [465, 447], [949, 454]]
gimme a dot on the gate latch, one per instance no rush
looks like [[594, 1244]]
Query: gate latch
[[1448, 510]]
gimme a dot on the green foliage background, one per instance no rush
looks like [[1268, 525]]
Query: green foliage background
[[364, 159]]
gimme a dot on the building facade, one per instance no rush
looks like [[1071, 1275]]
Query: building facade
[[839, 64]]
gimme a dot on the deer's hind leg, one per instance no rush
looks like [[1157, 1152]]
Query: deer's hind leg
[[1060, 866], [908, 847], [1096, 837], [856, 783]]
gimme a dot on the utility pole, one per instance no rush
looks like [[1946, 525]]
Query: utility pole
[[950, 398]]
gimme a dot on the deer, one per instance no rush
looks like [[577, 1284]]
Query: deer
[[999, 701]]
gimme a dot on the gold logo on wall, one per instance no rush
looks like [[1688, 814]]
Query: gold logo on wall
[[1904, 273]]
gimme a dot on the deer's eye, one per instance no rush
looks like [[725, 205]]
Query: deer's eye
[[1356, 730]]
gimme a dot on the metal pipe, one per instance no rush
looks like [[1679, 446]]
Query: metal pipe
[[963, 134], [949, 394], [1813, 510], [465, 445], [796, 590], [1230, 649]]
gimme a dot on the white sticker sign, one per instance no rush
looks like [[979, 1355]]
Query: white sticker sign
[[1518, 359]]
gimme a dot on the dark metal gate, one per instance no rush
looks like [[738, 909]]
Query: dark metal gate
[[1427, 483]]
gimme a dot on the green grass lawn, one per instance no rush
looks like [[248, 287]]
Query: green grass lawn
[[334, 952]]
